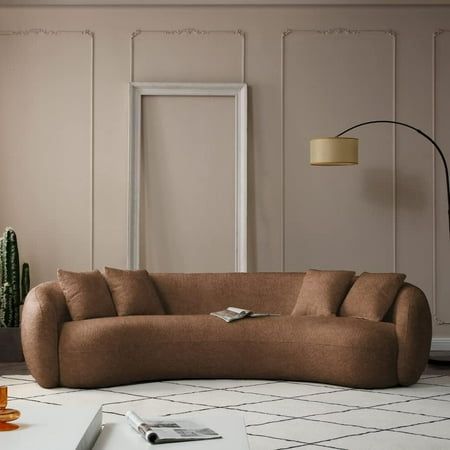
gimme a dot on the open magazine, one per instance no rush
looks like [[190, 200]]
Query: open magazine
[[161, 431], [231, 314]]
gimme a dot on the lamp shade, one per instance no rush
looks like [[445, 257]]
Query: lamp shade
[[334, 151]]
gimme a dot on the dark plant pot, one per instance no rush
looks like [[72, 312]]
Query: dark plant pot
[[10, 345]]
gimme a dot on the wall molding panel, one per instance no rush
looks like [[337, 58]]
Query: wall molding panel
[[435, 303], [330, 32], [236, 90], [188, 32], [86, 33]]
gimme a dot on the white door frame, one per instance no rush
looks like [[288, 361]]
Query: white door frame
[[236, 90]]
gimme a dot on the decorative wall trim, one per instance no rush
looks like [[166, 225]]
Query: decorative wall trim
[[220, 2], [236, 90], [90, 35], [189, 32], [38, 31], [334, 32], [439, 320]]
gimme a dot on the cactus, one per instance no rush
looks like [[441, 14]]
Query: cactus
[[5, 301], [10, 295], [25, 281]]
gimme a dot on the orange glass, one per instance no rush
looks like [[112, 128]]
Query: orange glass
[[3, 396], [7, 414]]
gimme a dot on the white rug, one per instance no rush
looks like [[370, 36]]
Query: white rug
[[280, 415]]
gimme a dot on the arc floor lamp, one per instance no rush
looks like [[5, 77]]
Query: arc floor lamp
[[343, 151]]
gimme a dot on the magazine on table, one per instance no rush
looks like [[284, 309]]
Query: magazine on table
[[231, 314], [165, 430]]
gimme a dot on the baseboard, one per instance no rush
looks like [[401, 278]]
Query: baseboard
[[440, 344]]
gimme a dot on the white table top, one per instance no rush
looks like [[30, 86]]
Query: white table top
[[120, 436], [52, 427]]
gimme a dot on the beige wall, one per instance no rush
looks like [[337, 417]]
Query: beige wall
[[340, 65], [187, 184]]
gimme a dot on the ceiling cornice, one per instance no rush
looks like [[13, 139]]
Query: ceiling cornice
[[224, 2]]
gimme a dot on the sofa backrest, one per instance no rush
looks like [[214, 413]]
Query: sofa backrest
[[202, 293]]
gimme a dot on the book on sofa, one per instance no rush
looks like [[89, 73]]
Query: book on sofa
[[232, 313], [162, 431]]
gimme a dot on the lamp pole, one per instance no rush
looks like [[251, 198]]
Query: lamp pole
[[428, 138], [444, 162]]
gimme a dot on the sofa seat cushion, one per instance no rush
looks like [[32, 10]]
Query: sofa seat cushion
[[129, 349]]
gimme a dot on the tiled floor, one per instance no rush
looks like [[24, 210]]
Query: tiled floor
[[280, 414]]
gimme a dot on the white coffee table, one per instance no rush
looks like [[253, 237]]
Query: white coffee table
[[119, 436], [52, 427]]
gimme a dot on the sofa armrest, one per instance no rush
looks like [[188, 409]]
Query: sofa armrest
[[43, 315], [412, 318]]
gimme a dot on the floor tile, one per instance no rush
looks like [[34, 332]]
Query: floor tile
[[428, 375], [293, 408], [416, 390], [151, 407], [17, 403], [267, 443], [222, 383], [357, 397], [219, 398], [254, 418], [6, 381], [91, 396], [284, 389], [250, 417], [315, 446], [305, 430], [212, 411], [373, 418], [390, 440], [308, 415], [439, 429], [21, 377], [429, 407], [155, 389], [441, 380], [31, 390], [311, 383], [443, 398]]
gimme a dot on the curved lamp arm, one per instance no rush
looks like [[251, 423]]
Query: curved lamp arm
[[428, 138]]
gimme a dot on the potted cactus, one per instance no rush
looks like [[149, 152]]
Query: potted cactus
[[13, 291]]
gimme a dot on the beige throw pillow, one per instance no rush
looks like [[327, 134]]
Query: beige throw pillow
[[87, 294], [322, 292], [372, 295], [133, 292]]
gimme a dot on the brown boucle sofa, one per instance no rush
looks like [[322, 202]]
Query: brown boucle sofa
[[187, 342]]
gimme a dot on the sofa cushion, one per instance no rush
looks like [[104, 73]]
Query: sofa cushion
[[360, 353], [322, 292], [87, 294], [372, 295], [133, 292]]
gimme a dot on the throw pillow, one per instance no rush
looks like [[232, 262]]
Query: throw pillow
[[372, 295], [133, 292], [87, 294], [322, 292]]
